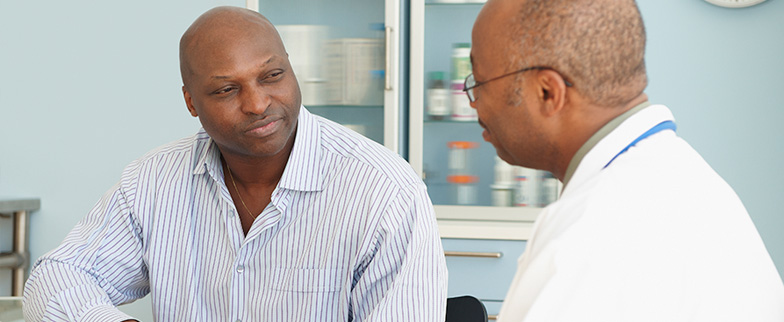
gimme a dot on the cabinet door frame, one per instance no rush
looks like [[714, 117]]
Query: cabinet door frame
[[392, 81], [416, 86]]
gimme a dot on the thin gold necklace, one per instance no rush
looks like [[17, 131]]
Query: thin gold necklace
[[238, 192]]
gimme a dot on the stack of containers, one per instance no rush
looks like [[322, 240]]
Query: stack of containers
[[461, 68], [549, 189], [522, 187], [305, 46], [528, 183], [504, 185], [354, 69], [460, 171]]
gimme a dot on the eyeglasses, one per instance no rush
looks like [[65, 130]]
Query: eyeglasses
[[471, 83]]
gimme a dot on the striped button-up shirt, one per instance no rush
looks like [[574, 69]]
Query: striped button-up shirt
[[350, 235]]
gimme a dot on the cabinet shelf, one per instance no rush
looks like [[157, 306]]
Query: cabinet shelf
[[500, 214], [367, 120], [454, 2], [447, 121], [346, 106]]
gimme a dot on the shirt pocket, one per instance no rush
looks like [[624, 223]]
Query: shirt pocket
[[308, 280]]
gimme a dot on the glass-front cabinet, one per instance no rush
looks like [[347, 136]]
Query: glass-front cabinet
[[465, 178], [346, 55], [393, 70]]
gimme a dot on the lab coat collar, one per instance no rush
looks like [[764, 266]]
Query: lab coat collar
[[604, 151]]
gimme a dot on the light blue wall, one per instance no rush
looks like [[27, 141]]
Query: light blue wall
[[85, 88], [721, 71]]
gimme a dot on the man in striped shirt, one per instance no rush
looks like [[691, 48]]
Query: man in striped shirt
[[269, 213]]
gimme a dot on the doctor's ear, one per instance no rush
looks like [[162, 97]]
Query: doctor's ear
[[552, 91]]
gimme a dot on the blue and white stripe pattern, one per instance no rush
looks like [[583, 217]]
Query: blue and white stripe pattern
[[350, 235]]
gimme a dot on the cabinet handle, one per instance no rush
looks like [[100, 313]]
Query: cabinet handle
[[388, 59], [492, 317], [473, 254]]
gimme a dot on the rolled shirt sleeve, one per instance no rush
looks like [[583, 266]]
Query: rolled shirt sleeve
[[98, 266]]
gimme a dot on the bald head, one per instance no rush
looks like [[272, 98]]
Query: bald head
[[598, 45], [219, 27]]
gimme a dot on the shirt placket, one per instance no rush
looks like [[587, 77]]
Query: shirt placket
[[246, 265], [239, 283]]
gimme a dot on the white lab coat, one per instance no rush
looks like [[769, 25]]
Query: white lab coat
[[655, 236]]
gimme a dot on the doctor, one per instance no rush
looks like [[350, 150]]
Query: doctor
[[645, 230]]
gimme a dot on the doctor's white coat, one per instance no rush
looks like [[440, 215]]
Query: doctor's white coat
[[655, 236]]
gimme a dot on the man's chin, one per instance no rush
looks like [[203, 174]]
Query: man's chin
[[506, 158], [501, 153]]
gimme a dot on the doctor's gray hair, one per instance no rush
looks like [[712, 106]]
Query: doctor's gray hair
[[598, 45]]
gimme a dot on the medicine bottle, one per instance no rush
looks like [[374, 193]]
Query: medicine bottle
[[503, 188], [549, 192], [437, 97], [461, 175], [461, 68], [527, 188]]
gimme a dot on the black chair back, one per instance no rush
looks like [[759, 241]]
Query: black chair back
[[465, 309]]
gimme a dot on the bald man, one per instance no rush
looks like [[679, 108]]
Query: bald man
[[644, 230], [268, 213]]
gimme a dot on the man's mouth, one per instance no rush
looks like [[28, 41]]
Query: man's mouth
[[264, 127]]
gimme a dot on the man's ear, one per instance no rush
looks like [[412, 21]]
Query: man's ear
[[189, 102], [552, 91]]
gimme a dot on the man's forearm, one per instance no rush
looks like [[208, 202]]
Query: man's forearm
[[60, 292]]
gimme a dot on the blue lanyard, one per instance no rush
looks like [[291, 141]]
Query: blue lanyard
[[666, 125]]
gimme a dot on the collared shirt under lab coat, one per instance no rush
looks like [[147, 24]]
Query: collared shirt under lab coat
[[655, 236]]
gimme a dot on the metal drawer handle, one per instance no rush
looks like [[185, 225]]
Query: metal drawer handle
[[388, 34], [12, 260], [492, 317], [473, 254]]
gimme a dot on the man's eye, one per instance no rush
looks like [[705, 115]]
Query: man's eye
[[274, 75], [224, 90]]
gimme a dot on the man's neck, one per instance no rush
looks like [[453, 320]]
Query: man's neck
[[253, 171]]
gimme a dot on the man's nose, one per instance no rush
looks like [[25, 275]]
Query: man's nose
[[255, 100]]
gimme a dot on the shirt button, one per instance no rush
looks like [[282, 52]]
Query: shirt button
[[240, 269], [238, 320]]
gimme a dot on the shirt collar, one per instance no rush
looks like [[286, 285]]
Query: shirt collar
[[208, 154], [596, 137], [303, 170]]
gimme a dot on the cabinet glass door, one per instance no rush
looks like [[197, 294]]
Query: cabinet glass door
[[447, 148], [343, 53]]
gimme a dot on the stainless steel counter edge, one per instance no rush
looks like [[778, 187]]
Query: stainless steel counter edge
[[11, 205]]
